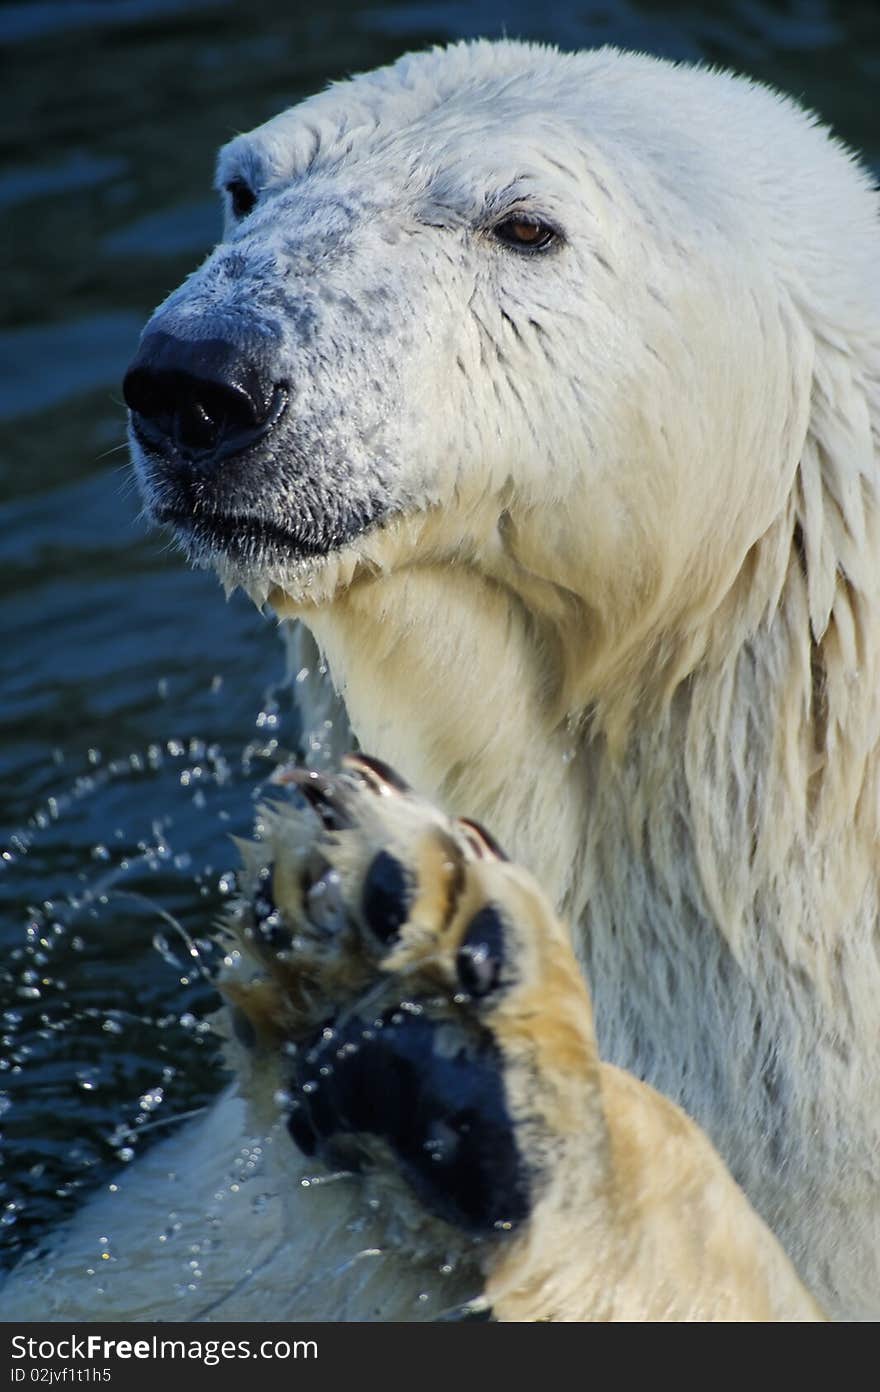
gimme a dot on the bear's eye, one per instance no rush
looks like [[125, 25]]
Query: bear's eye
[[243, 197], [525, 232]]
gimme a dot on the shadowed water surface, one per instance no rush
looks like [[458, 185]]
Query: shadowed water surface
[[139, 713]]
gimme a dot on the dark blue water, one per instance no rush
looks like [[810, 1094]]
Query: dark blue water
[[139, 712]]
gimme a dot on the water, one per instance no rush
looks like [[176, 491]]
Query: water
[[140, 713]]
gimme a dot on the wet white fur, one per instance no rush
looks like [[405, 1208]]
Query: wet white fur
[[631, 618]]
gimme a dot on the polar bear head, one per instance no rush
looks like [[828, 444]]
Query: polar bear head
[[577, 325]]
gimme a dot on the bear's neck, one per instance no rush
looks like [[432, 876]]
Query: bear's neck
[[444, 675], [760, 766]]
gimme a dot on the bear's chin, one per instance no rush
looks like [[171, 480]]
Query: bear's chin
[[297, 572], [255, 544], [288, 571], [296, 560]]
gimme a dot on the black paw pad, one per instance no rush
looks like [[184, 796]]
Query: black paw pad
[[386, 898], [480, 956], [435, 1094]]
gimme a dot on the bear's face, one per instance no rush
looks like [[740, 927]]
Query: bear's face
[[397, 309], [455, 318]]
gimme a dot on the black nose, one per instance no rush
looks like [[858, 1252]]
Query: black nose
[[204, 398]]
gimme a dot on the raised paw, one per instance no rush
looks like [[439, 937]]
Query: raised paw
[[411, 1002], [399, 964]]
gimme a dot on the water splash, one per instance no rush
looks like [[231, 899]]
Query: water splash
[[106, 980]]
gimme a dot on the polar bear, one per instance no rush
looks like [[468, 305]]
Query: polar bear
[[542, 390]]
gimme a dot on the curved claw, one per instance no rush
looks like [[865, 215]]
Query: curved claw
[[325, 795], [381, 777], [481, 841]]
